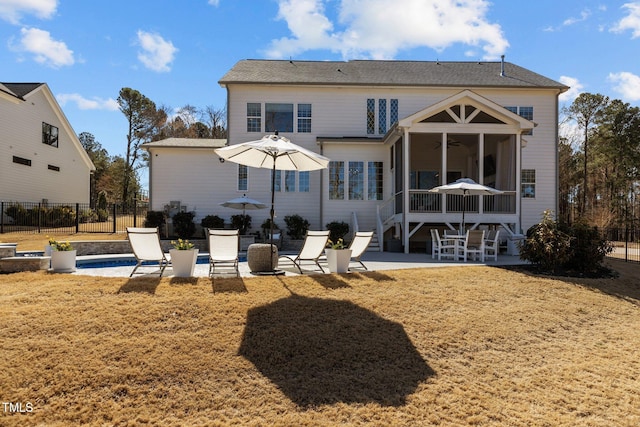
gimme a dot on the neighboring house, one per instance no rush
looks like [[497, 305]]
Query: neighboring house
[[393, 130], [41, 158]]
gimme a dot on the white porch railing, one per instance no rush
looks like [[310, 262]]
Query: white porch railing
[[421, 201]]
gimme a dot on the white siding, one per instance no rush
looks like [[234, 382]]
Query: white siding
[[21, 136]]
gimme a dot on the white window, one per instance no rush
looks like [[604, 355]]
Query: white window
[[524, 112], [528, 183], [243, 178], [336, 180], [387, 115], [289, 181], [304, 118], [254, 117], [303, 182]]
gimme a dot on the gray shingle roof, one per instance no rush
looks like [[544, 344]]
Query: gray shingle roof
[[186, 142], [19, 89], [386, 73]]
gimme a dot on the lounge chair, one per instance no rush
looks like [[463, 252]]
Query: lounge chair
[[145, 243], [492, 245], [473, 245], [442, 247], [359, 244], [223, 249], [312, 249]]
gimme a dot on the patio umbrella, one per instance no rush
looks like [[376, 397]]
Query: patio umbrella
[[465, 187], [243, 203], [276, 153]]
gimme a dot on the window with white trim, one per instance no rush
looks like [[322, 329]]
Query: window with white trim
[[336, 180], [303, 181], [278, 117], [304, 118], [254, 117], [525, 113], [356, 180], [381, 115], [374, 181], [49, 134], [278, 180], [243, 178], [289, 181], [528, 184]]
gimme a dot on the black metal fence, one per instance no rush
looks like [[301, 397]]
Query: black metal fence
[[626, 243], [33, 217]]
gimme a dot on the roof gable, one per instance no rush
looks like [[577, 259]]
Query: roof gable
[[466, 107]]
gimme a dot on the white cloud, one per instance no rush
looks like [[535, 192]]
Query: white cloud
[[584, 15], [214, 2], [575, 89], [12, 10], [372, 29], [157, 54], [631, 21], [627, 84], [88, 104], [45, 50]]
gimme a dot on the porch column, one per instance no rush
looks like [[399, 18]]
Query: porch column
[[518, 226], [405, 197], [481, 171]]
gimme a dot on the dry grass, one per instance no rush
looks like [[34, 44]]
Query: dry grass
[[437, 346]]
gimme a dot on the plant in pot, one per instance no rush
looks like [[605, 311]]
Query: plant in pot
[[297, 226], [63, 256], [183, 257], [338, 256]]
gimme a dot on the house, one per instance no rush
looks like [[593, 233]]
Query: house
[[41, 158], [393, 130]]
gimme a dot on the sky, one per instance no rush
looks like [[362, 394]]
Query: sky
[[175, 52]]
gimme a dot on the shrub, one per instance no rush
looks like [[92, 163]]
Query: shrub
[[242, 222], [103, 215], [88, 215], [546, 245], [154, 219], [212, 221], [588, 248], [102, 200], [337, 230], [183, 225], [296, 226]]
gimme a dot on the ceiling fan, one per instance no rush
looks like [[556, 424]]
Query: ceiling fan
[[450, 143]]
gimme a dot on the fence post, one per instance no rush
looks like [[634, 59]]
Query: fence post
[[39, 217], [114, 218], [77, 218], [135, 211], [1, 217], [626, 243]]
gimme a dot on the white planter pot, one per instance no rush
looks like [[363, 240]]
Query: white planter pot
[[338, 260], [183, 262], [63, 261], [47, 250]]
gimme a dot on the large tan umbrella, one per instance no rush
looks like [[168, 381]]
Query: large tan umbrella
[[465, 187], [276, 153]]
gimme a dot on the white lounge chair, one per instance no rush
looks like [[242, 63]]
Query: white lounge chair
[[223, 249], [312, 249], [492, 245], [359, 244], [145, 243], [473, 245], [442, 247]]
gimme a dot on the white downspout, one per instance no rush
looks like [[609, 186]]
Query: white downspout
[[405, 189]]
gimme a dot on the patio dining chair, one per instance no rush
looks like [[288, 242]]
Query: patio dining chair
[[312, 249], [223, 249], [145, 243], [492, 244], [473, 245], [359, 245], [442, 247]]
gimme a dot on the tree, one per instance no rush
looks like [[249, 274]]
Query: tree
[[144, 121], [100, 158], [216, 120], [586, 110]]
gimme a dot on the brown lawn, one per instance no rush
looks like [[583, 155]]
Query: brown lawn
[[437, 346]]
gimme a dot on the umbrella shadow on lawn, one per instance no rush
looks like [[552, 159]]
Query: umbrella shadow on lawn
[[323, 351]]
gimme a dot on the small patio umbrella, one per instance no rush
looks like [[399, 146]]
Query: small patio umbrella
[[465, 187], [243, 203], [276, 153]]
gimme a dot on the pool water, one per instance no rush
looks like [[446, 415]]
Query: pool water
[[130, 262]]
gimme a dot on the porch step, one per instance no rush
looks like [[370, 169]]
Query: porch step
[[374, 245]]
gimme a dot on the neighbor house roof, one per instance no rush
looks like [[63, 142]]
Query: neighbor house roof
[[186, 142], [386, 73], [19, 89]]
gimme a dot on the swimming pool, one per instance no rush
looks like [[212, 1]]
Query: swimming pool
[[124, 261]]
